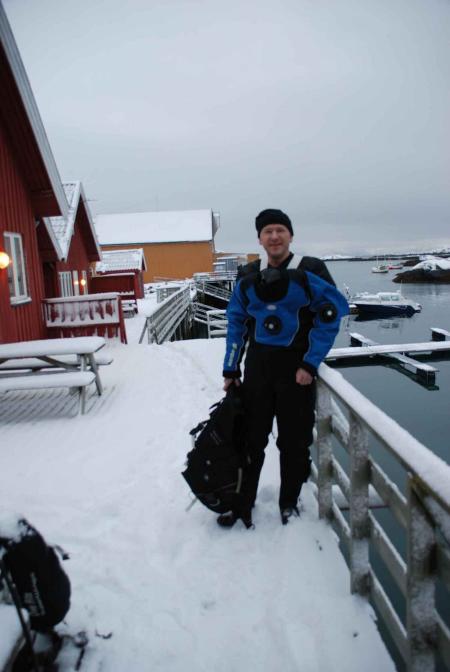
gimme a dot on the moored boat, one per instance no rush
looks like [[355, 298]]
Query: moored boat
[[380, 268], [384, 304]]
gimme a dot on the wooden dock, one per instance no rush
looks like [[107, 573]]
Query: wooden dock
[[402, 356]]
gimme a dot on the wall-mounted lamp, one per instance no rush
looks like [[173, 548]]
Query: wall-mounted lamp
[[4, 260], [83, 282]]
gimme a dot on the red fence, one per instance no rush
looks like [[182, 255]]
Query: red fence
[[88, 315]]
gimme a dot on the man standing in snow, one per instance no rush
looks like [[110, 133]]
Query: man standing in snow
[[289, 311]]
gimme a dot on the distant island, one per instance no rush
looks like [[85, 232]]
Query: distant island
[[430, 267], [410, 258]]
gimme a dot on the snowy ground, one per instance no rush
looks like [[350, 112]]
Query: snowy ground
[[178, 593]]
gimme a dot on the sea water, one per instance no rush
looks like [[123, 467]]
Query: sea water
[[423, 412]]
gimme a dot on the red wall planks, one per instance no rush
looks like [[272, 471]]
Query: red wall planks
[[24, 321]]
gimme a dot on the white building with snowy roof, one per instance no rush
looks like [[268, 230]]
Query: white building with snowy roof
[[175, 244]]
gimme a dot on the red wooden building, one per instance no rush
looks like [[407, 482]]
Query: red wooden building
[[120, 271], [47, 236], [30, 191], [77, 241]]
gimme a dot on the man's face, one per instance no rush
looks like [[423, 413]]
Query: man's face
[[275, 239]]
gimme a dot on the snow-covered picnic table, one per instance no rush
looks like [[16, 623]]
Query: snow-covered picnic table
[[54, 362]]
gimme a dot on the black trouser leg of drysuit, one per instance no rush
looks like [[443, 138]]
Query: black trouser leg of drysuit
[[270, 391]]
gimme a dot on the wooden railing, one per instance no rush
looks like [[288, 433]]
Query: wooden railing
[[423, 510], [217, 323], [215, 276], [163, 321], [215, 319], [162, 293], [213, 289], [87, 315]]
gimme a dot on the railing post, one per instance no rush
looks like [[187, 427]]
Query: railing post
[[324, 452], [359, 507], [421, 621]]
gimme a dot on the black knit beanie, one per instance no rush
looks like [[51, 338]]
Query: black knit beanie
[[272, 216]]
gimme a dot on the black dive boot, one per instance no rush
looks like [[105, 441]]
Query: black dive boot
[[229, 518], [289, 512]]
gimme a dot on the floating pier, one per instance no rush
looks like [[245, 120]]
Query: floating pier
[[404, 356]]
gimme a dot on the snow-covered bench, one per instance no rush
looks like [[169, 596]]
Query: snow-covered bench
[[35, 364], [11, 640], [38, 381]]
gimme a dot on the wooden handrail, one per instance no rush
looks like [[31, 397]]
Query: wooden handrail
[[423, 511]]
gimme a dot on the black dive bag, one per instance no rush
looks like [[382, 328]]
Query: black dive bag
[[31, 569], [214, 466]]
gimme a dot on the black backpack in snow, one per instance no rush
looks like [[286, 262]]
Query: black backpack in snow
[[214, 466], [33, 574]]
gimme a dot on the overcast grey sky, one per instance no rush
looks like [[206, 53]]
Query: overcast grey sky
[[336, 111]]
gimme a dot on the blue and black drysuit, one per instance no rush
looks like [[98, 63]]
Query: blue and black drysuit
[[290, 318]]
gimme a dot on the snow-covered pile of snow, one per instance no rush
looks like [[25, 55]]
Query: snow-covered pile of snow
[[432, 264], [177, 592]]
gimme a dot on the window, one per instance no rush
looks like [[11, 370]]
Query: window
[[17, 282], [84, 282], [76, 285], [65, 283]]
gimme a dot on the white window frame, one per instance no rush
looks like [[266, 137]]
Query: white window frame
[[14, 248], [65, 283]]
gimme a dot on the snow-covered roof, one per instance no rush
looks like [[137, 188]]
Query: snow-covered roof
[[63, 227], [171, 226], [121, 260], [432, 264]]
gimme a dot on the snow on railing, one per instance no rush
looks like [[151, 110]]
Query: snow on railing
[[162, 322], [86, 315], [423, 511], [215, 275]]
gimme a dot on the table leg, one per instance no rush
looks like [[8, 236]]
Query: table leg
[[94, 367], [82, 399]]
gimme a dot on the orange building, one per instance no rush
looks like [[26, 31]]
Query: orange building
[[176, 244]]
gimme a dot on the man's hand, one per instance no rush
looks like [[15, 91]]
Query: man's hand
[[227, 382], [303, 377]]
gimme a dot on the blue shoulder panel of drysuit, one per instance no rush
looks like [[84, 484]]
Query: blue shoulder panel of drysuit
[[245, 303], [237, 329], [323, 333], [285, 309]]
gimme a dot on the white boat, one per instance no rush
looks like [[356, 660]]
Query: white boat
[[384, 304], [380, 268]]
